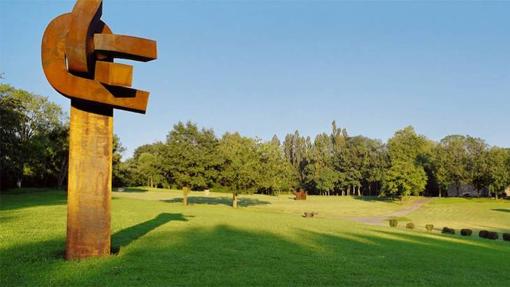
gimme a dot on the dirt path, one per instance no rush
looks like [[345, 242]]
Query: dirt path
[[379, 220]]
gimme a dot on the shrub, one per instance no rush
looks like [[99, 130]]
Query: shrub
[[429, 227], [506, 236], [310, 214], [410, 225], [492, 235], [393, 222], [466, 232], [448, 230], [483, 233]]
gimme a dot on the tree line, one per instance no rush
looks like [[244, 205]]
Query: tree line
[[34, 150], [332, 163], [34, 143]]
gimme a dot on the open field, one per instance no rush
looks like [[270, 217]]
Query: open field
[[265, 242], [327, 206], [474, 213]]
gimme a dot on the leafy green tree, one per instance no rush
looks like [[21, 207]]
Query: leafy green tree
[[120, 171], [147, 166], [275, 173], [297, 150], [340, 162], [366, 161], [406, 175], [240, 164], [404, 178], [476, 162], [56, 154], [11, 116], [149, 169], [191, 156], [498, 170], [28, 120], [450, 161], [320, 173]]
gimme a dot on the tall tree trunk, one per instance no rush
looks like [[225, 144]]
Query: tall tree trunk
[[62, 174], [185, 192], [234, 200]]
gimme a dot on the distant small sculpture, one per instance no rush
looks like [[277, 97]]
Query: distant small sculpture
[[310, 214], [300, 194]]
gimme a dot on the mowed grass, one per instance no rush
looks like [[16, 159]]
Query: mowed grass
[[458, 213], [208, 243], [327, 206]]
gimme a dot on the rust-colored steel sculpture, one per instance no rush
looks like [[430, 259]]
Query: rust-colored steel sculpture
[[77, 57]]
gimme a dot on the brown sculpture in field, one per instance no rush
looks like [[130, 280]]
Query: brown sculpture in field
[[300, 194], [77, 57]]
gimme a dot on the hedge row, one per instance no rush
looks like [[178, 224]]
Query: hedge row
[[464, 232]]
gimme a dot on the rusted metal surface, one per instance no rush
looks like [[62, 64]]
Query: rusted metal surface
[[89, 182], [114, 74], [300, 194], [126, 47], [70, 37], [84, 22], [77, 52]]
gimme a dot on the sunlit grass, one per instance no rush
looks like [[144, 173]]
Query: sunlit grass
[[330, 206], [457, 213], [163, 243]]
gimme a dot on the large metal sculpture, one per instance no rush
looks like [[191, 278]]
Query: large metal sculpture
[[77, 57]]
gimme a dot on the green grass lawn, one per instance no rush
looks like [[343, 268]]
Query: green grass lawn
[[473, 213], [265, 243], [328, 206]]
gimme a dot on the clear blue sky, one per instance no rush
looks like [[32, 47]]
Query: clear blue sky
[[264, 68]]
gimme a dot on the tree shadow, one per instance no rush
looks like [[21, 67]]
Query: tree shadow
[[501, 209], [126, 236], [32, 198], [226, 255], [131, 189], [375, 198], [242, 202]]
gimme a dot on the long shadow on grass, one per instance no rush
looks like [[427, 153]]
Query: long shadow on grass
[[501, 209], [243, 202], [31, 198], [374, 198], [131, 189], [224, 255], [130, 234]]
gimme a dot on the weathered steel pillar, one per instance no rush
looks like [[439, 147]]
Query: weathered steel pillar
[[78, 50], [89, 181]]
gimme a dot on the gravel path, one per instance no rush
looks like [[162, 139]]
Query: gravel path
[[379, 220]]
